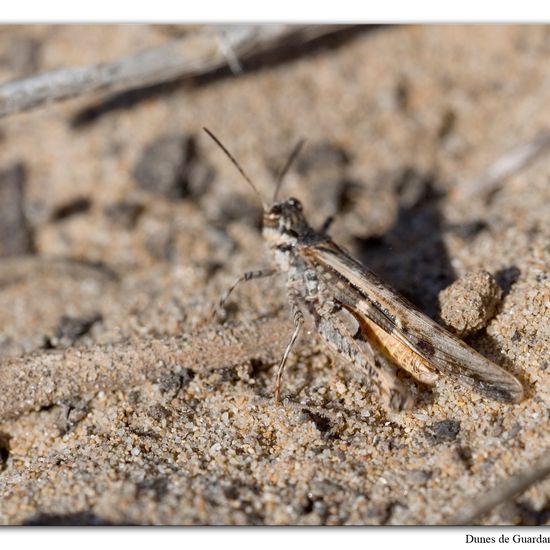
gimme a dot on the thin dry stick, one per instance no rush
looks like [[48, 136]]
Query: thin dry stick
[[509, 489], [229, 53], [509, 164], [40, 380], [197, 54]]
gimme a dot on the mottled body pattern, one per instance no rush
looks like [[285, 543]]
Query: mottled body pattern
[[365, 321], [362, 319]]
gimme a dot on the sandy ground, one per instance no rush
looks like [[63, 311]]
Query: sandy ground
[[120, 404]]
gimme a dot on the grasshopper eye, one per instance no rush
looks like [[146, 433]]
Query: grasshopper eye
[[295, 203]]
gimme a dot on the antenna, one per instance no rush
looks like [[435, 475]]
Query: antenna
[[237, 165], [286, 167]]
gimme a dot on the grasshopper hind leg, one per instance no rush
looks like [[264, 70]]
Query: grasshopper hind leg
[[298, 324], [393, 392], [343, 335], [396, 395]]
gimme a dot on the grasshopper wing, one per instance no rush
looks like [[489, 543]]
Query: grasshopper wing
[[404, 322]]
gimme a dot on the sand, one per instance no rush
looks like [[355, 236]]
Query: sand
[[123, 403]]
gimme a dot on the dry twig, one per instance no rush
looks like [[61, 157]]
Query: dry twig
[[507, 165], [506, 491], [196, 54]]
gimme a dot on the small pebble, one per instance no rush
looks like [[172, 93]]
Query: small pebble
[[470, 302], [443, 431]]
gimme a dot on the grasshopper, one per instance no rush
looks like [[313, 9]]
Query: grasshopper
[[359, 317]]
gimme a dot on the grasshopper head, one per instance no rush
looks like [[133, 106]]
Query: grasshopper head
[[284, 223]]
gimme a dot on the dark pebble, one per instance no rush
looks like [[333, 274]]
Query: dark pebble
[[4, 449], [80, 205], [443, 431], [70, 329], [15, 233], [171, 166]]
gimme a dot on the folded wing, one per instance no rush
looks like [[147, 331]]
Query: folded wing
[[400, 319]]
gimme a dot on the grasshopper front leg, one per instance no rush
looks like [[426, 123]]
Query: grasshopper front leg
[[248, 276]]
